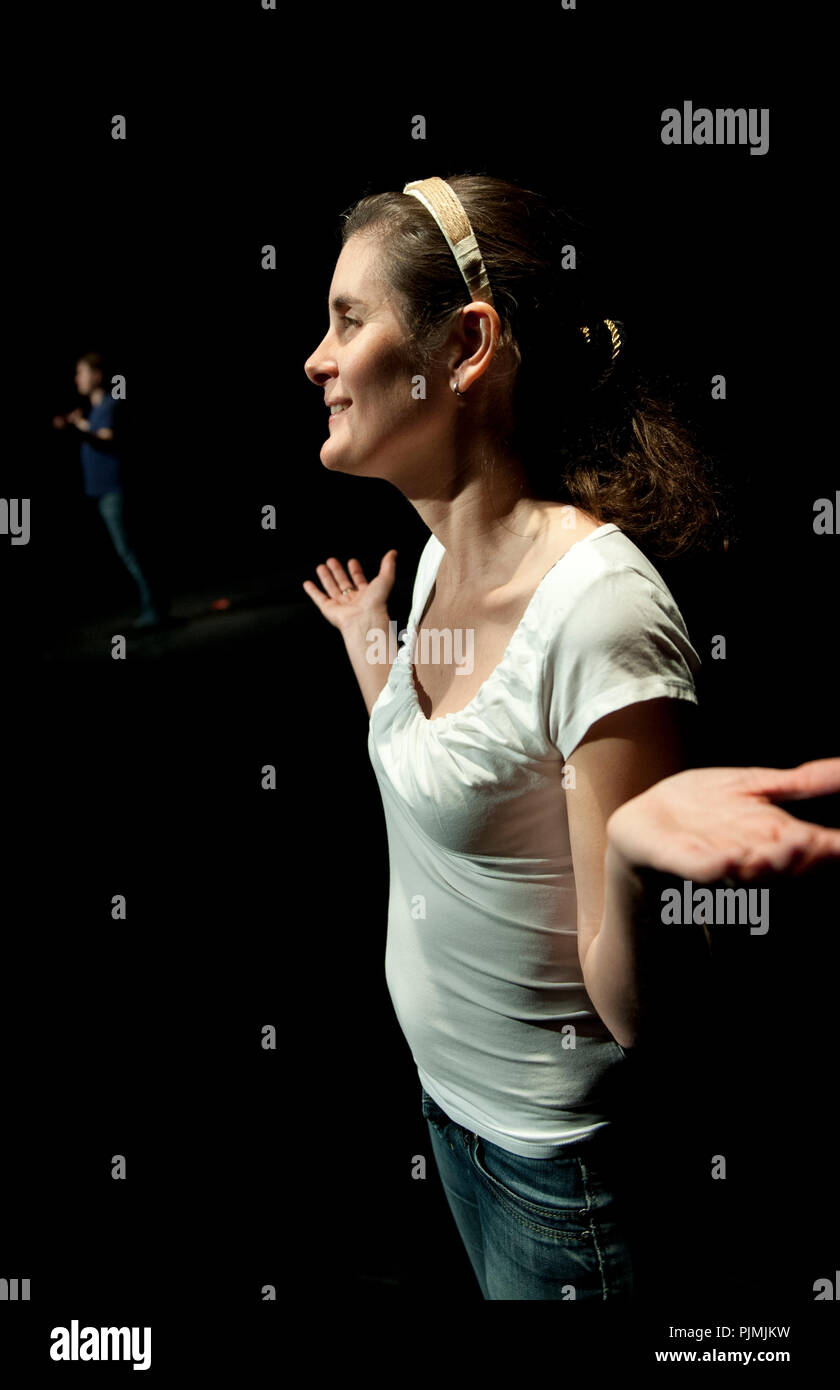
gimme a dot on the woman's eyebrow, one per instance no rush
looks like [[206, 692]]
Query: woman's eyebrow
[[344, 301]]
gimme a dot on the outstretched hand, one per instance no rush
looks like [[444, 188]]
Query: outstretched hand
[[349, 600], [712, 823]]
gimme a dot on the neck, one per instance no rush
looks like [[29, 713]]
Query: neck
[[488, 523], [97, 395]]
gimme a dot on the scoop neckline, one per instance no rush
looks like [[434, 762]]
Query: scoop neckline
[[414, 624]]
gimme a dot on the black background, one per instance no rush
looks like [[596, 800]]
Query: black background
[[292, 1168]]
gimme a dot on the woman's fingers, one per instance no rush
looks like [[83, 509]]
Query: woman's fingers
[[820, 777], [822, 843], [710, 822], [789, 846], [315, 594], [335, 577]]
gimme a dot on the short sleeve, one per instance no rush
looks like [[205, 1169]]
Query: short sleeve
[[619, 639]]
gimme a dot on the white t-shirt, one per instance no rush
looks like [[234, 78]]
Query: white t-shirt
[[481, 960]]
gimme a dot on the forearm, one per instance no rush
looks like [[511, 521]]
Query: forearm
[[372, 676], [612, 961], [105, 446]]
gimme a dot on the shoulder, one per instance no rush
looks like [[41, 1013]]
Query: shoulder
[[604, 579], [606, 612]]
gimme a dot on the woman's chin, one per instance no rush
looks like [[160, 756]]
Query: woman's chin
[[337, 462]]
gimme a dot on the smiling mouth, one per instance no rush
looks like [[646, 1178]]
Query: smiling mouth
[[334, 415]]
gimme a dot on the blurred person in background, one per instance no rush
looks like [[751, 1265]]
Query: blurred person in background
[[100, 455]]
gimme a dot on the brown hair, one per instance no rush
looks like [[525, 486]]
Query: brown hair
[[617, 450]]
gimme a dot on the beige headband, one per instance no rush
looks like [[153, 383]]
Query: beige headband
[[441, 200]]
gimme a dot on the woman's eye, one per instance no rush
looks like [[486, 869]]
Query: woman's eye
[[347, 319]]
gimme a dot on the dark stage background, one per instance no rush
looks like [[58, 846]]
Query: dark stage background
[[291, 1168]]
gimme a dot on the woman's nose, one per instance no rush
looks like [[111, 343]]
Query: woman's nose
[[316, 368], [318, 363]]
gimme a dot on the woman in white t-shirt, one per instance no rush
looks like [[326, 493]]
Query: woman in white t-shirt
[[539, 687]]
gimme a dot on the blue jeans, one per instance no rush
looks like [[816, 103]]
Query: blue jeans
[[110, 506], [535, 1228]]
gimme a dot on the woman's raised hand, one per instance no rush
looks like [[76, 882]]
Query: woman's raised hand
[[711, 823], [365, 603]]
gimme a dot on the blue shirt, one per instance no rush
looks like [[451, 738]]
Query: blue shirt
[[101, 465]]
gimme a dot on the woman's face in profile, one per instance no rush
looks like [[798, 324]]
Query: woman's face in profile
[[365, 360]]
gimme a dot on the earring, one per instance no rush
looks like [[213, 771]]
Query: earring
[[458, 393]]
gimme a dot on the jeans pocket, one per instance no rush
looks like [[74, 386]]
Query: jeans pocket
[[544, 1193], [433, 1112]]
